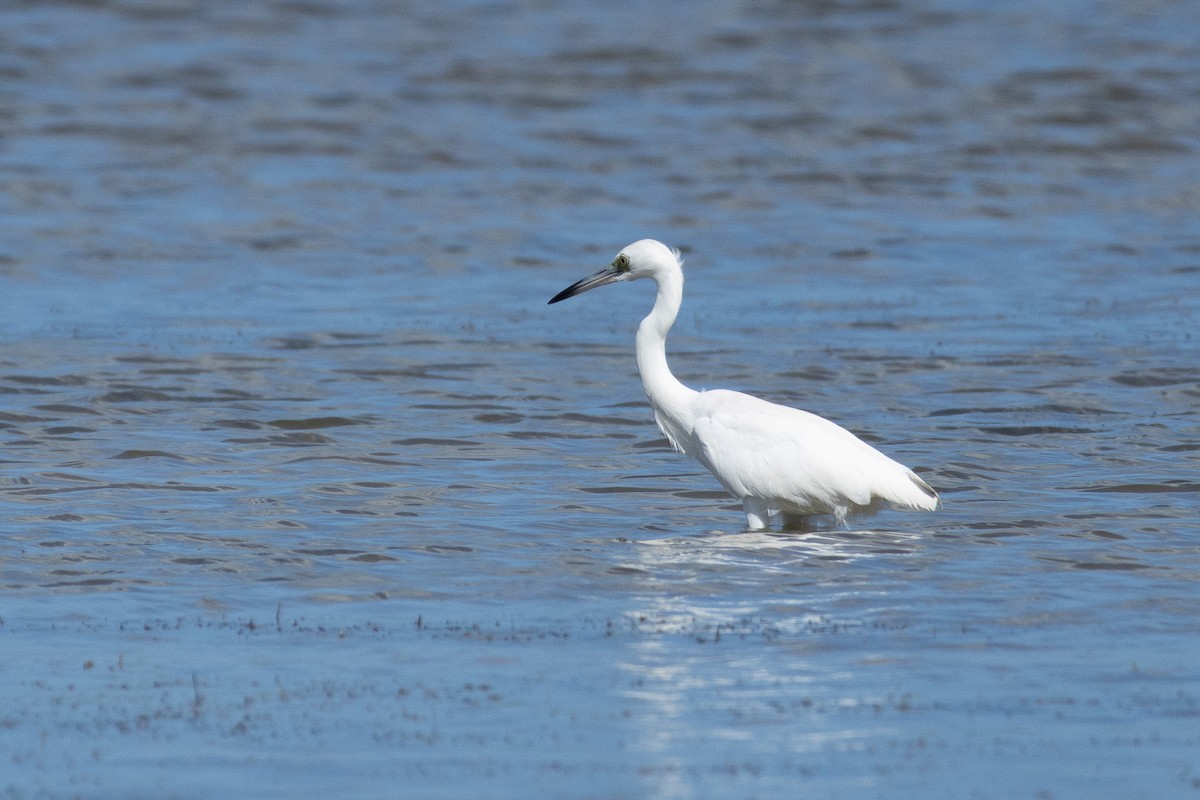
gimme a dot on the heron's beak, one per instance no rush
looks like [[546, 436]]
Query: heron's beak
[[605, 276]]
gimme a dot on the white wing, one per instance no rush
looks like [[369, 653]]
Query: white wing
[[795, 459]]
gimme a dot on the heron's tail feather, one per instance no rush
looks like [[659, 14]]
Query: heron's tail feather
[[916, 494]]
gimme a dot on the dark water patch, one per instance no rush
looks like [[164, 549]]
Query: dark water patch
[[434, 442], [1141, 143], [536, 435], [137, 134], [437, 372], [45, 380], [506, 418], [314, 423], [172, 486], [880, 133], [583, 348], [134, 396], [1110, 564], [37, 384], [1164, 376], [1057, 75], [1047, 408], [1034, 430], [654, 445], [91, 582], [63, 408], [1100, 535], [692, 494], [999, 534], [999, 390], [955, 474], [951, 412], [296, 439], [498, 401], [175, 371], [1081, 117], [68, 476], [128, 454], [587, 139], [328, 340], [627, 570], [786, 122], [66, 430], [1023, 524], [807, 374], [218, 396], [354, 460], [237, 424], [373, 558], [1029, 360], [201, 80], [808, 177], [228, 394], [389, 372], [1167, 487], [298, 343], [18, 418], [454, 406], [590, 419]]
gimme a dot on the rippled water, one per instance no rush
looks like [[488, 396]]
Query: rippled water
[[306, 490]]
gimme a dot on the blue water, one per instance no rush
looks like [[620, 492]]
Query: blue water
[[307, 492]]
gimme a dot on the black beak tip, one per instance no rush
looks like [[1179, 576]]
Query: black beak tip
[[601, 278], [570, 291]]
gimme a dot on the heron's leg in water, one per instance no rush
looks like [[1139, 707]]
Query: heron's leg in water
[[756, 513], [794, 522]]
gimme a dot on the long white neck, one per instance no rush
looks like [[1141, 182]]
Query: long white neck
[[670, 398]]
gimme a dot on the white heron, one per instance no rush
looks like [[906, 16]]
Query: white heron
[[778, 461]]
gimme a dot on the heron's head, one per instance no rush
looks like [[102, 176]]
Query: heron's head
[[646, 258]]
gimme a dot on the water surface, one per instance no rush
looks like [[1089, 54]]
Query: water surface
[[307, 491]]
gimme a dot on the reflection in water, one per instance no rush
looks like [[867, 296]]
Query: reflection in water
[[784, 551], [754, 672]]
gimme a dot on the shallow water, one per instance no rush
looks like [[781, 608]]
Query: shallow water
[[307, 491]]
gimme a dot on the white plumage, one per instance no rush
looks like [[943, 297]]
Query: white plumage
[[777, 460]]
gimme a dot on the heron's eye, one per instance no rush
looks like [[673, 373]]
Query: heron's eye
[[622, 263]]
